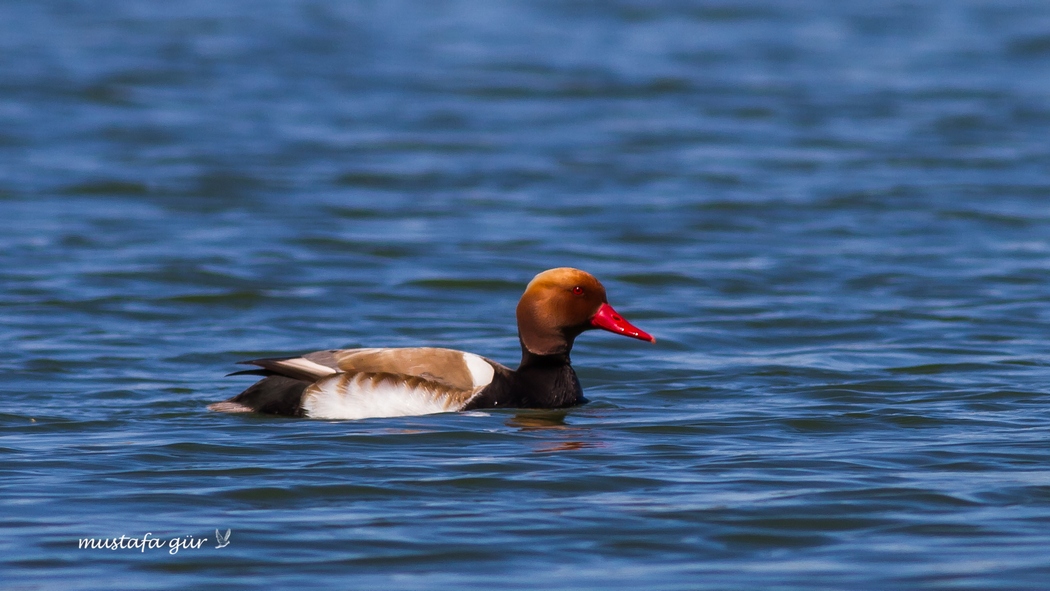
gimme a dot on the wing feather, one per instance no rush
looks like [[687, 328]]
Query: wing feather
[[362, 383]]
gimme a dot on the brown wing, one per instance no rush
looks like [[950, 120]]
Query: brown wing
[[455, 369]]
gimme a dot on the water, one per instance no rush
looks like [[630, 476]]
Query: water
[[833, 216]]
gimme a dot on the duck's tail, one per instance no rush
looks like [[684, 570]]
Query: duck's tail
[[274, 395]]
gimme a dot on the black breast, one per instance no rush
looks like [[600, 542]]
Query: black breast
[[540, 382]]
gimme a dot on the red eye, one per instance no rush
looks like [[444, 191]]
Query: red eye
[[577, 290]]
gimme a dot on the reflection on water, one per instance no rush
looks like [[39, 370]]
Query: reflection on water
[[532, 420], [565, 446], [553, 420]]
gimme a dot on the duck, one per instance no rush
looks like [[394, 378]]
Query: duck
[[557, 306]]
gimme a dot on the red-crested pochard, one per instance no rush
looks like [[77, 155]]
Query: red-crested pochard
[[556, 307]]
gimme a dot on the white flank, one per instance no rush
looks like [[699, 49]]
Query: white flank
[[363, 399], [480, 370]]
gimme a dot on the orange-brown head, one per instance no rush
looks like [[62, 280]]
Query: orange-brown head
[[561, 303]]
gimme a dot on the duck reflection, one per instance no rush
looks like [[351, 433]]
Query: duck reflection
[[552, 421], [539, 420]]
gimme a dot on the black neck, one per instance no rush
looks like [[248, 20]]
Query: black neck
[[531, 360], [541, 381]]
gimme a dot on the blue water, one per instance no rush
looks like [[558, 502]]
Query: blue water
[[835, 217]]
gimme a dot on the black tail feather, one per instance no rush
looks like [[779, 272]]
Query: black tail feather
[[274, 366], [251, 372], [275, 395]]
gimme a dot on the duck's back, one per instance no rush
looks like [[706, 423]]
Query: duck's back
[[364, 383]]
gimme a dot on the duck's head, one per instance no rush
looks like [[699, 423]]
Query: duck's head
[[561, 303]]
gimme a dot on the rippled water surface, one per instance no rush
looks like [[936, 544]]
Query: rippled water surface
[[834, 216]]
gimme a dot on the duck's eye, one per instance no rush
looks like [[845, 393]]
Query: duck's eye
[[577, 290]]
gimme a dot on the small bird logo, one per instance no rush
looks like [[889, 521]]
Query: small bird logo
[[222, 540]]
